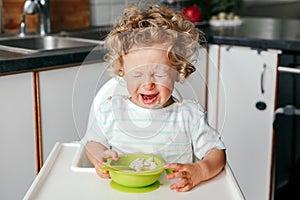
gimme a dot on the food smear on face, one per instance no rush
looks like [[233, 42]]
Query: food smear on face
[[140, 164]]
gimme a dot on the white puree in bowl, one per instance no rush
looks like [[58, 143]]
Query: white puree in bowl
[[142, 164]]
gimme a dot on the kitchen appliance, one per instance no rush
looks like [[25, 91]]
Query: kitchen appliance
[[287, 122]]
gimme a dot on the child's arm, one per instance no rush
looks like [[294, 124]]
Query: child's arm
[[193, 174], [98, 154]]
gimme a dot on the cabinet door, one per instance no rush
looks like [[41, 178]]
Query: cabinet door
[[17, 144], [247, 82], [212, 84], [195, 86], [65, 97]]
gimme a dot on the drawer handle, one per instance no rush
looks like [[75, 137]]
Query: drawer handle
[[262, 75]]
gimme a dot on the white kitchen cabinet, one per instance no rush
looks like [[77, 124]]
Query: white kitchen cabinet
[[195, 86], [66, 95], [17, 128], [246, 79], [212, 84]]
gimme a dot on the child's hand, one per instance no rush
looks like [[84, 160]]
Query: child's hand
[[102, 159], [189, 175]]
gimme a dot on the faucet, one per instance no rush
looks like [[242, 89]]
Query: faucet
[[43, 9]]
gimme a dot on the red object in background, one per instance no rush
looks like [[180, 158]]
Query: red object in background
[[193, 13]]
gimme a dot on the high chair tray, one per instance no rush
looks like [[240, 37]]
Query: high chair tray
[[67, 174]]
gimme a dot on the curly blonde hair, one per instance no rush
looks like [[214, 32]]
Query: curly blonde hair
[[157, 25]]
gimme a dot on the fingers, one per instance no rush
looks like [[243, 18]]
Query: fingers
[[179, 171], [179, 174], [111, 154], [173, 166], [183, 185], [184, 172], [101, 173], [106, 154]]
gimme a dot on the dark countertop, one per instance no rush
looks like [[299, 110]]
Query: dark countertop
[[16, 62], [261, 33]]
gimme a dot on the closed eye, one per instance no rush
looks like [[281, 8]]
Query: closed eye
[[160, 75], [138, 75]]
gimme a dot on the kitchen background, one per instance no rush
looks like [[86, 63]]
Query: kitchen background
[[74, 14], [80, 14]]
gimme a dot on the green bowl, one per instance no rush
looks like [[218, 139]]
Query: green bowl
[[135, 178]]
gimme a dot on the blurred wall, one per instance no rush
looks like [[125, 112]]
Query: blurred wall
[[271, 8], [64, 15], [74, 14]]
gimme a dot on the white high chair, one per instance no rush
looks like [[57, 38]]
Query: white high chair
[[117, 86]]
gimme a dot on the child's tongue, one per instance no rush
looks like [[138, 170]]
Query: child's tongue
[[148, 99]]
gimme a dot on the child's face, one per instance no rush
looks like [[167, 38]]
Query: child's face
[[149, 77]]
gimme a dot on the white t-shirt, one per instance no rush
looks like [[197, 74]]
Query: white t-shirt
[[177, 132]]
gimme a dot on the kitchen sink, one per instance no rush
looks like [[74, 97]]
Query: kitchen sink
[[36, 44], [90, 34]]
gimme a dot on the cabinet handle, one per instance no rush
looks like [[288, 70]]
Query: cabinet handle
[[262, 75], [295, 70]]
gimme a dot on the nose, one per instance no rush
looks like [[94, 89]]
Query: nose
[[149, 83], [149, 86]]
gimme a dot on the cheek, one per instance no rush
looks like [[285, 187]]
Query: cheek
[[132, 86], [165, 92], [167, 84]]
